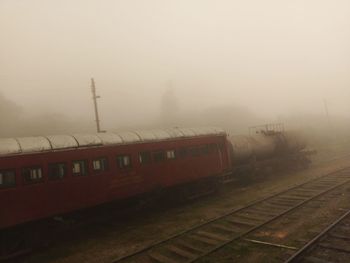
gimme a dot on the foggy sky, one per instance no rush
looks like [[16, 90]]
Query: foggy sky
[[273, 57]]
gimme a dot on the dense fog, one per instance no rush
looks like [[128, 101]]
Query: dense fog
[[162, 63]]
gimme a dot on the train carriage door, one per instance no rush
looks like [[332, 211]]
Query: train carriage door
[[128, 181], [56, 185], [161, 176], [147, 170]]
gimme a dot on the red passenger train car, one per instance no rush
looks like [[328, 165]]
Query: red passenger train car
[[41, 177]]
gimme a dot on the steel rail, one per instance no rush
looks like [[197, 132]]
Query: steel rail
[[268, 221], [256, 202], [301, 252]]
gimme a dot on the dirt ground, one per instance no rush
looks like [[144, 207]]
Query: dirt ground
[[103, 243]]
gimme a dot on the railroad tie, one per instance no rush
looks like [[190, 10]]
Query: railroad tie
[[181, 252], [161, 258], [190, 247], [225, 228], [316, 260], [239, 222], [325, 245], [212, 235], [207, 241], [347, 238]]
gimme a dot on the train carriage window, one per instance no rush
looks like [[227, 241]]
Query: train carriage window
[[204, 150], [170, 154], [145, 157], [195, 151], [32, 174], [100, 164], [57, 170], [79, 168], [7, 178], [124, 161], [159, 156], [183, 152]]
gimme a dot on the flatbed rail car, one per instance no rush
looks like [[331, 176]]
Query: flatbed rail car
[[41, 177]]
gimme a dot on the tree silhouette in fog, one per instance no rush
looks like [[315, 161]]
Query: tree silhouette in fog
[[16, 122], [169, 106]]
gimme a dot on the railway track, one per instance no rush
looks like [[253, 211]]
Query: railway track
[[331, 245], [202, 240]]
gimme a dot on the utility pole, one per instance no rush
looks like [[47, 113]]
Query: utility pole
[[95, 97]]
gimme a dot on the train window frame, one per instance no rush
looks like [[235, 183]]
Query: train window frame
[[170, 154], [3, 183], [85, 171], [103, 164], [124, 161], [35, 175], [146, 160], [159, 156], [59, 177]]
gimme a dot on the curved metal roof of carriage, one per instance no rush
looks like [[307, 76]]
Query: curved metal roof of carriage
[[34, 144]]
